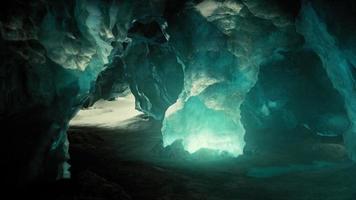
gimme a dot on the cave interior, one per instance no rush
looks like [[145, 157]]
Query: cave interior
[[178, 99]]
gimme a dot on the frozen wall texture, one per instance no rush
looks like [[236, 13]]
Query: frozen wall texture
[[52, 53], [214, 71], [338, 58], [221, 58]]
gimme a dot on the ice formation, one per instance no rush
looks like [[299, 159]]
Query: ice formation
[[211, 70], [339, 64], [218, 74]]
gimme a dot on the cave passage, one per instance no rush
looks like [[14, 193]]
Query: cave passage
[[178, 99]]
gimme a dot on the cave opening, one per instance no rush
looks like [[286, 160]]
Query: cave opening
[[107, 113]]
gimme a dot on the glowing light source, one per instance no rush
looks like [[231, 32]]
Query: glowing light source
[[207, 140], [201, 127]]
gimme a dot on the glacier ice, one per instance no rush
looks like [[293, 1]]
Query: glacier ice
[[288, 95], [57, 51], [154, 85], [218, 74], [192, 64], [337, 64]]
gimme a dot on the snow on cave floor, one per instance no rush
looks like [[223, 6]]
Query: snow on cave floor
[[107, 113], [126, 161]]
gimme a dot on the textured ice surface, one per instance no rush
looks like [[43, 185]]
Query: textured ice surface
[[201, 56], [58, 50], [218, 74], [339, 65]]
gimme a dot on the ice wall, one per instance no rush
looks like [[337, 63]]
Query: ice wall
[[153, 71], [53, 52], [61, 55], [338, 62], [201, 56], [221, 58]]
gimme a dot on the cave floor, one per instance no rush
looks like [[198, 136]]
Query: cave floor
[[128, 162]]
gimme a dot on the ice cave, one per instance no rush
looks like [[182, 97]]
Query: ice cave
[[178, 99]]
